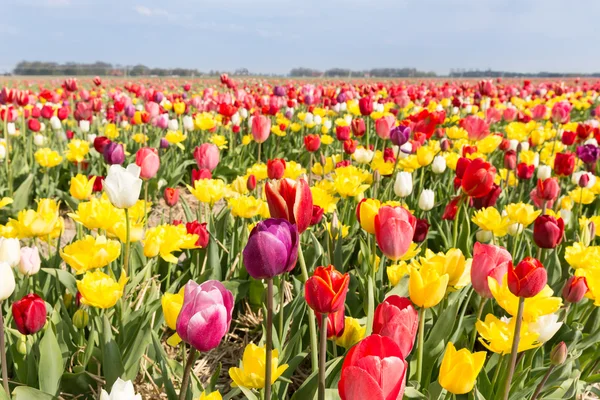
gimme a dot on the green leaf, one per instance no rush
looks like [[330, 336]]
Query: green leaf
[[413, 393], [309, 387], [248, 393], [27, 393], [112, 364], [51, 365], [135, 353], [160, 357], [64, 277], [22, 194]]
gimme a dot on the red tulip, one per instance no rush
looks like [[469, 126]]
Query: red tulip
[[476, 127], [198, 174], [171, 196], [291, 200], [394, 231], [275, 168], [251, 183], [34, 125], [312, 143], [98, 183], [397, 319], [488, 261], [317, 215], [63, 113], [575, 289], [335, 323], [365, 105], [546, 190], [374, 369], [528, 278], [548, 231], [478, 178], [196, 228], [451, 209], [358, 127], [568, 138], [350, 146], [325, 291], [489, 200], [47, 112], [147, 159], [342, 133], [525, 171], [421, 230], [510, 160], [100, 143], [29, 314], [564, 164]]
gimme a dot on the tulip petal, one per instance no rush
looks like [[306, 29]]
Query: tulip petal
[[207, 327], [358, 384]]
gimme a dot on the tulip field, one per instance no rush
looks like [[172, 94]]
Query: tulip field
[[252, 238]]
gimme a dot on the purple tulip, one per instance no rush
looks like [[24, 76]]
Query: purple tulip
[[164, 143], [163, 122], [399, 135], [341, 98], [205, 315], [113, 153], [279, 91], [272, 248], [588, 153], [130, 111], [158, 97]]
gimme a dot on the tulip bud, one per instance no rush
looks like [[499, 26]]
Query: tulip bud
[[575, 289], [483, 236], [403, 185], [68, 299], [559, 354], [7, 281], [421, 230], [528, 278], [335, 225], [171, 196], [30, 261], [438, 166], [584, 179], [251, 182], [544, 172], [10, 251], [22, 345], [445, 145], [510, 160], [317, 215], [81, 319], [426, 200], [276, 168]]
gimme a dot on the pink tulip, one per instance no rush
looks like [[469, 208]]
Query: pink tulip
[[397, 319], [509, 114], [539, 112], [261, 128], [206, 314], [561, 112], [384, 125], [475, 127], [394, 231], [163, 121], [207, 156], [147, 159], [152, 108], [488, 261]]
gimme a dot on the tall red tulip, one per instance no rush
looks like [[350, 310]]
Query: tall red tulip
[[528, 278], [29, 314], [575, 289], [394, 231], [365, 105], [291, 200], [374, 369], [336, 322], [478, 178], [397, 319], [548, 231], [275, 168], [564, 164], [325, 291], [312, 143]]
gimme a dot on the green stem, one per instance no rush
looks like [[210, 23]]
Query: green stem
[[370, 302], [515, 348], [455, 226], [422, 313], [312, 326], [127, 243], [281, 306], [7, 158], [542, 383], [479, 312], [186, 373], [3, 354], [269, 344], [323, 356]]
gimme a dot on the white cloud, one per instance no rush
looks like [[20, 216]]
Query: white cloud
[[154, 12], [143, 11]]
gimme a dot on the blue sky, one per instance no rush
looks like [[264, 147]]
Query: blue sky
[[276, 35]]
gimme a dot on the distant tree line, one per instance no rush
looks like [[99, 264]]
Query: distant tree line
[[97, 68], [462, 73], [375, 72]]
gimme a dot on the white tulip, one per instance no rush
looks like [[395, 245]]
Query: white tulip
[[317, 119], [546, 326], [524, 146], [348, 117], [84, 125], [243, 113], [10, 251], [30, 261], [327, 124], [468, 109], [139, 107], [403, 185], [121, 390], [236, 119], [188, 123], [2, 151], [513, 144], [455, 110], [336, 108], [483, 236], [544, 172], [577, 176], [363, 156], [38, 139], [439, 108], [591, 141], [173, 125], [11, 129], [91, 137], [426, 199], [7, 281], [566, 215], [308, 118], [343, 107], [379, 107], [123, 186], [124, 124], [42, 127], [438, 166], [515, 229]]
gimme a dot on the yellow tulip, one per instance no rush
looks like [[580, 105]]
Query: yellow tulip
[[211, 396], [90, 253], [111, 131], [176, 137], [293, 170], [541, 304], [5, 201], [100, 290], [396, 272], [251, 373], [47, 158], [425, 156], [353, 333], [582, 196], [426, 287], [171, 306], [37, 223], [367, 211], [208, 190], [497, 335], [82, 187], [166, 239], [324, 199], [219, 140], [248, 207], [489, 219], [77, 150], [452, 263], [179, 107], [459, 369], [522, 213]]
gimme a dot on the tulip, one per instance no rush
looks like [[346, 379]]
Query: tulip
[[121, 390], [100, 290], [29, 314], [251, 182], [427, 286], [548, 231], [438, 166], [275, 168], [147, 159], [588, 153], [123, 186], [363, 155], [290, 200], [350, 146], [478, 178], [559, 354], [171, 196], [525, 171], [545, 326], [488, 261], [358, 127], [459, 369], [399, 135], [10, 251], [206, 314], [261, 128], [335, 323], [365, 105], [342, 133], [403, 186], [325, 291], [397, 319], [198, 174], [421, 230], [114, 154], [100, 142], [7, 279], [312, 143], [561, 112], [272, 248], [426, 200], [476, 127], [384, 125], [81, 187], [564, 164], [317, 215], [30, 261], [197, 228], [528, 278], [394, 230], [211, 396], [366, 211], [251, 373], [353, 333], [207, 156], [575, 289], [547, 189], [373, 369]]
